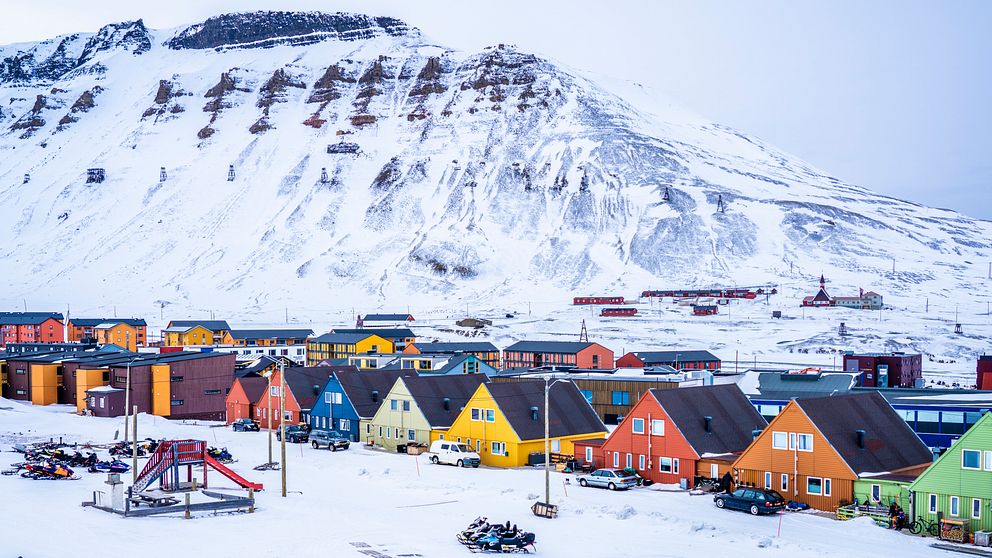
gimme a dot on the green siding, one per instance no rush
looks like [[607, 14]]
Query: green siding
[[947, 478], [892, 491], [391, 421]]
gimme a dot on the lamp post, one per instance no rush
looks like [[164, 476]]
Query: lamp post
[[548, 382], [127, 398], [282, 416]]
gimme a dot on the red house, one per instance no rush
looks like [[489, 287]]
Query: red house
[[303, 386], [589, 453], [31, 327], [679, 360], [684, 433], [240, 402], [618, 312], [704, 309], [885, 369], [575, 354]]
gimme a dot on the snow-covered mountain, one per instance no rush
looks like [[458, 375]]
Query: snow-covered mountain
[[460, 175]]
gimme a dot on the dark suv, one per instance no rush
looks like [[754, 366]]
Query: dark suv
[[754, 500], [245, 425], [294, 434], [330, 439]]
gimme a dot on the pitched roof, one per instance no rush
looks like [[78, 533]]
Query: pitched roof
[[271, 333], [27, 318], [822, 296], [733, 416], [456, 347], [548, 346], [568, 411], [388, 333], [91, 322], [307, 383], [254, 387], [664, 357], [782, 385], [890, 444], [456, 362], [343, 337], [360, 385], [387, 317], [212, 325], [430, 393]]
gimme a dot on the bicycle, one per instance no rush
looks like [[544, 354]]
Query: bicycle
[[922, 525]]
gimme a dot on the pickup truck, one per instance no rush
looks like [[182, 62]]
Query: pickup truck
[[453, 453]]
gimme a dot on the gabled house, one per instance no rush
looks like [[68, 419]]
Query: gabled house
[[484, 350], [269, 337], [575, 354], [180, 336], [351, 397], [81, 329], [303, 387], [959, 484], [400, 337], [821, 298], [31, 327], [685, 433], [342, 345], [119, 333], [220, 331], [504, 423], [245, 393], [460, 364], [384, 320], [815, 449], [679, 360], [416, 407]]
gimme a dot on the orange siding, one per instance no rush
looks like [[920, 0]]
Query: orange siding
[[594, 356], [823, 462], [672, 444]]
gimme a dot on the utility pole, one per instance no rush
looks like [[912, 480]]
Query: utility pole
[[547, 445], [282, 420], [134, 449], [269, 414]]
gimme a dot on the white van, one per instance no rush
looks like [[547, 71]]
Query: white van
[[453, 453]]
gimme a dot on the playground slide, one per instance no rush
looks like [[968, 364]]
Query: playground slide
[[234, 477]]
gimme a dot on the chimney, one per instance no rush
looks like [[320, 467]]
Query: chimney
[[316, 389], [861, 438], [708, 423], [375, 396], [755, 433], [533, 414], [446, 403]]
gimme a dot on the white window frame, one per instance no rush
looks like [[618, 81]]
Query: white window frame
[[344, 424], [820, 493], [327, 397], [768, 480], [988, 460], [675, 465], [393, 405], [556, 445], [954, 506], [273, 391], [932, 503], [661, 465], [827, 486], [476, 414], [337, 398], [784, 482], [411, 435], [630, 460], [634, 426], [616, 459], [490, 415], [785, 440], [976, 508], [658, 427], [792, 440], [498, 448], [799, 443], [640, 462], [979, 468], [876, 493], [287, 415], [588, 455]]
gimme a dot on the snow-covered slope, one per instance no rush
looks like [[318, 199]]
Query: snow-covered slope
[[476, 176]]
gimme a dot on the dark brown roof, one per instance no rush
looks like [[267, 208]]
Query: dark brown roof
[[360, 385], [568, 411], [306, 383], [254, 387], [733, 416], [432, 392], [890, 444]]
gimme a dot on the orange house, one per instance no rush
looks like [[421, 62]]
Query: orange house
[[121, 334], [30, 327], [815, 449], [576, 354], [240, 402], [303, 385], [79, 329]]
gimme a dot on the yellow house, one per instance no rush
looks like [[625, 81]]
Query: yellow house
[[504, 422], [343, 345], [178, 336], [117, 333]]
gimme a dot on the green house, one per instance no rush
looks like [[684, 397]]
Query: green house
[[883, 489], [959, 484]]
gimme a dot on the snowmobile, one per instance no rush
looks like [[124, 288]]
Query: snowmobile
[[124, 448], [474, 530], [47, 471], [221, 455], [115, 466], [506, 542]]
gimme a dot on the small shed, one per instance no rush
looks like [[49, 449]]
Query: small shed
[[704, 309], [95, 175], [105, 401], [618, 312]]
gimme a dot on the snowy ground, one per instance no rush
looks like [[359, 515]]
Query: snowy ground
[[366, 503]]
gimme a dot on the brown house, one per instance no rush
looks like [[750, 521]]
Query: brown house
[[815, 449]]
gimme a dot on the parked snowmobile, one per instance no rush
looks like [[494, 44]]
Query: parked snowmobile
[[221, 455], [474, 530], [481, 536], [47, 471], [115, 466]]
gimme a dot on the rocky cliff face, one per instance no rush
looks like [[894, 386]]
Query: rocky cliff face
[[371, 163]]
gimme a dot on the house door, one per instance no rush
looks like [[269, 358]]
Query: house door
[[538, 361], [714, 471]]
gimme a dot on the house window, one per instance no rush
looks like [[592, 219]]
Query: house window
[[368, 428], [768, 480], [616, 459], [490, 415], [630, 460], [380, 431], [814, 485], [389, 432], [478, 446], [955, 506], [638, 426], [805, 442], [620, 398], [976, 508], [587, 393], [411, 435], [779, 440], [595, 361], [826, 487], [876, 493], [792, 440], [212, 392], [988, 458], [273, 391], [784, 482], [556, 446], [640, 462], [177, 402], [287, 415], [658, 427], [476, 414], [393, 405], [588, 455], [333, 397], [665, 465], [102, 401], [971, 459], [498, 448], [932, 503], [406, 405], [345, 424]]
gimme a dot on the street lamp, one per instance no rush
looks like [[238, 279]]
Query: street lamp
[[127, 397], [282, 416], [548, 382]]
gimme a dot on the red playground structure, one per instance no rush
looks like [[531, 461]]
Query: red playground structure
[[164, 466]]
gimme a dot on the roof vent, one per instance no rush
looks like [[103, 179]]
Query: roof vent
[[708, 423], [316, 389], [375, 396], [446, 403], [755, 433], [533, 414], [861, 438]]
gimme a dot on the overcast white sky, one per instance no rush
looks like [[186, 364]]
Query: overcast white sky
[[893, 95]]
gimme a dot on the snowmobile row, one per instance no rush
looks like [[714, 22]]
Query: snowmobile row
[[482, 536], [48, 471], [145, 447]]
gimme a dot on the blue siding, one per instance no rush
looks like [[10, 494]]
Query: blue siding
[[328, 416]]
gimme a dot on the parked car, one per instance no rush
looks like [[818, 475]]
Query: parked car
[[245, 425], [294, 434], [330, 439], [614, 479], [754, 500], [452, 453]]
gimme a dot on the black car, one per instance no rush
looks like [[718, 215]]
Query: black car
[[294, 434], [245, 425], [754, 500]]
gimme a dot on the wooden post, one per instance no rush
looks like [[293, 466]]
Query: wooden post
[[251, 496], [134, 447], [187, 505]]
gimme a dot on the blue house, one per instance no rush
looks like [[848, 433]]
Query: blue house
[[350, 396]]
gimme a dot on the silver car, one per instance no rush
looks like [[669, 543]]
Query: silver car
[[614, 479]]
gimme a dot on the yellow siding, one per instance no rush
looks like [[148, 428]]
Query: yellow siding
[[199, 335], [161, 390], [122, 335], [44, 384], [86, 380], [374, 343]]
